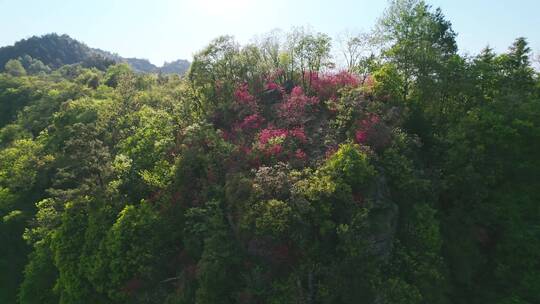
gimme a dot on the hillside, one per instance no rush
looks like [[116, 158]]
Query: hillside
[[265, 176], [57, 50], [174, 66]]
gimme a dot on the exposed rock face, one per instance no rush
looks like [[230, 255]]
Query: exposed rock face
[[383, 217]]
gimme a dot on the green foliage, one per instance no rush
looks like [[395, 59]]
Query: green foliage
[[272, 217], [18, 163], [351, 165], [34, 66], [66, 244], [51, 49], [129, 252], [415, 181], [19, 166], [114, 74], [40, 275], [217, 266], [14, 68]]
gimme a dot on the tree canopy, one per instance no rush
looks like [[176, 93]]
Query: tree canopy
[[268, 175]]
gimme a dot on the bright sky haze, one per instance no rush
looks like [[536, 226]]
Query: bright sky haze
[[166, 30]]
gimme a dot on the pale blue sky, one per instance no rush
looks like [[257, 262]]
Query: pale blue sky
[[162, 30]]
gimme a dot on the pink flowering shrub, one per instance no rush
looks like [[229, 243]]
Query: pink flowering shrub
[[327, 86], [244, 101], [299, 134], [273, 86], [270, 133], [273, 150], [373, 132], [299, 154], [361, 136], [282, 144], [295, 108], [248, 119], [365, 126], [250, 122], [242, 95]]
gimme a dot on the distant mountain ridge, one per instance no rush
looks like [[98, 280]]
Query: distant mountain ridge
[[57, 50]]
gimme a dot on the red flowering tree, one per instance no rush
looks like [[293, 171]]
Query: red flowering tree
[[249, 123], [364, 127], [327, 86], [296, 107], [245, 103], [374, 132], [282, 144], [246, 115]]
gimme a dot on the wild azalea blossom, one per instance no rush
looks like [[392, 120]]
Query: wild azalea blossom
[[294, 109], [244, 98], [361, 136], [274, 150], [267, 134], [274, 141], [327, 86], [242, 94], [273, 86], [300, 155], [270, 133], [299, 134], [365, 125], [251, 122]]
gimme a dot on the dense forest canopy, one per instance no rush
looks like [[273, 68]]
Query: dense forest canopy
[[268, 175]]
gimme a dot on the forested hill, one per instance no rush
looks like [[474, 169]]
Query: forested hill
[[55, 50], [175, 67], [265, 176]]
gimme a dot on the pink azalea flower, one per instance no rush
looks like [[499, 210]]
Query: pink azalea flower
[[273, 86], [299, 134], [253, 121], [301, 155], [274, 150], [269, 133], [295, 107], [327, 86], [365, 125], [361, 136]]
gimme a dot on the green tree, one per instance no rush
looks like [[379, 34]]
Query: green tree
[[15, 68], [418, 42]]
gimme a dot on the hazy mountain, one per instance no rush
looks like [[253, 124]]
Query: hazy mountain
[[179, 66], [56, 50]]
